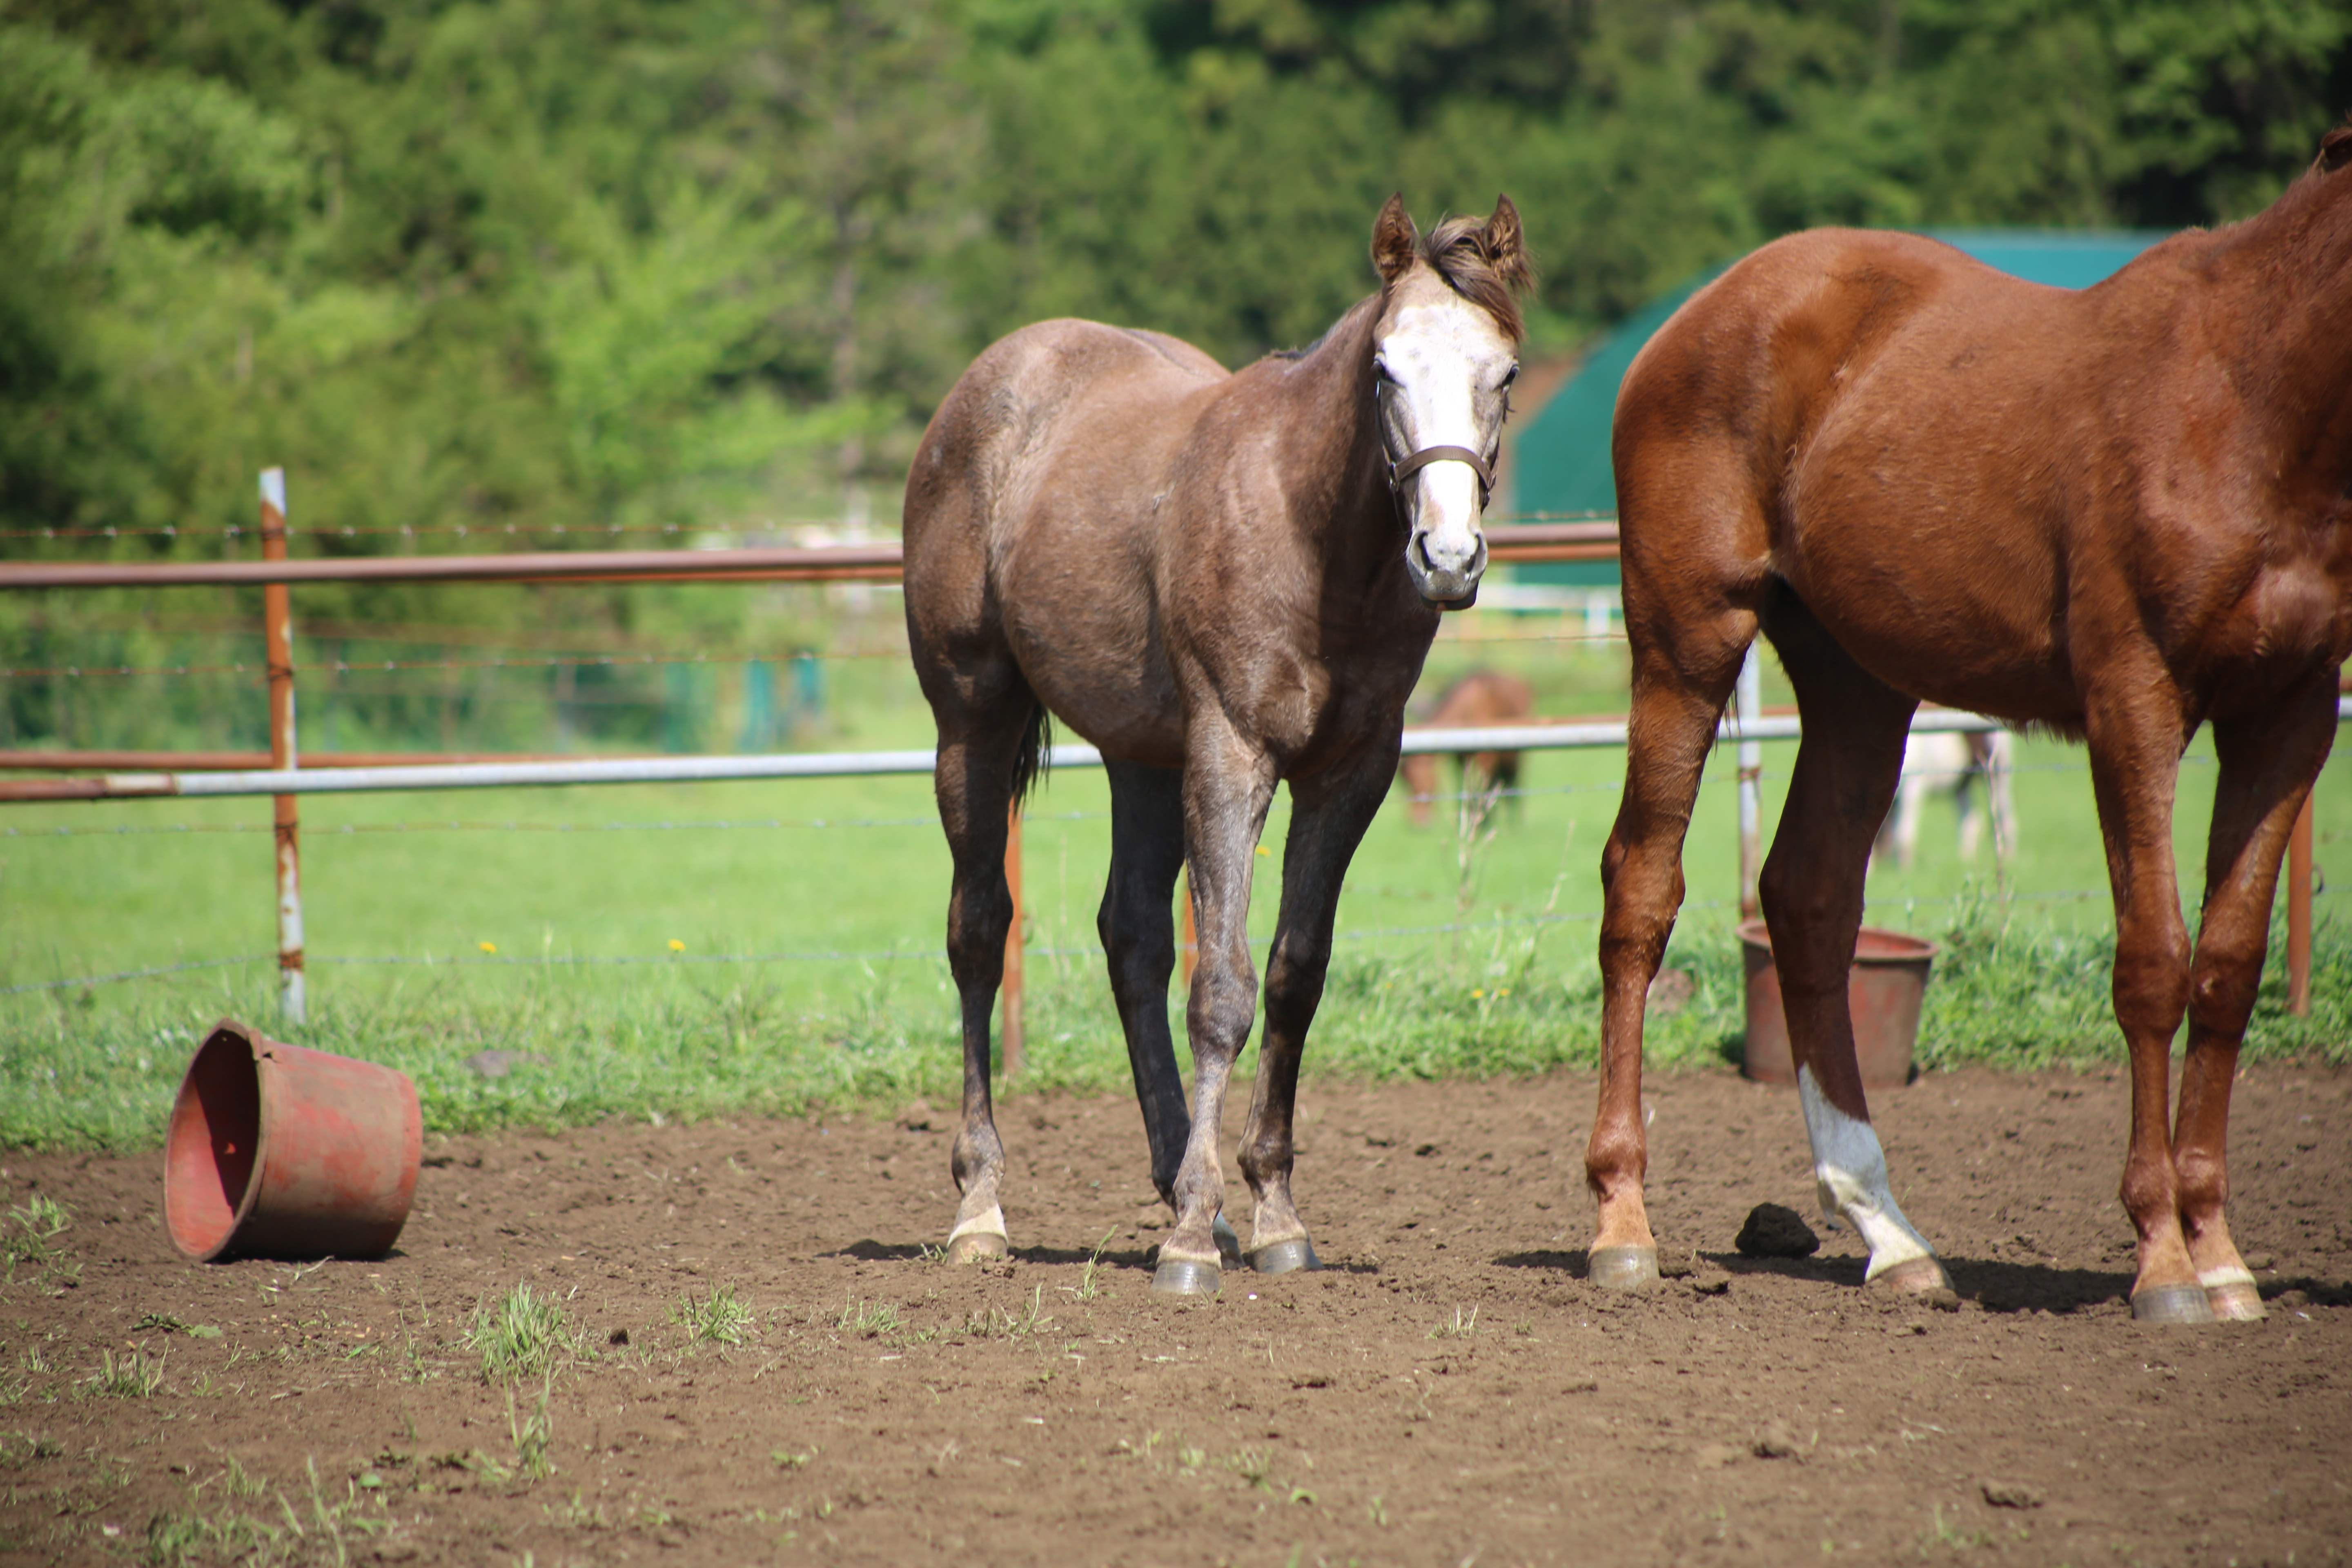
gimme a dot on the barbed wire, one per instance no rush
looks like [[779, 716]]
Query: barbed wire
[[451, 530], [575, 661], [904, 955], [369, 666], [136, 973], [566, 531]]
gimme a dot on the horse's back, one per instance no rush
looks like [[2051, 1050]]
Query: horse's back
[[1029, 513]]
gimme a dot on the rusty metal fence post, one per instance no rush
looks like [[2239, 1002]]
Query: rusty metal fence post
[[2298, 913], [1750, 707], [1191, 949], [277, 617], [1010, 1032]]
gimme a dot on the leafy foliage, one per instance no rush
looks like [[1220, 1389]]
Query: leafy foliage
[[512, 260]]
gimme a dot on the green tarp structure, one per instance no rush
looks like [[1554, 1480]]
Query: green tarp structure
[[1562, 454]]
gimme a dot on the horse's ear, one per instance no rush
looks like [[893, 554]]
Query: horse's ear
[[1506, 247], [1393, 241], [2335, 148]]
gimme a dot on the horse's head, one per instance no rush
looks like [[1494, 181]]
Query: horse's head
[[1445, 351]]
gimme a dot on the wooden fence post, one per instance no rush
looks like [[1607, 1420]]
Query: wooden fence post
[[1009, 1031], [2298, 914], [278, 627]]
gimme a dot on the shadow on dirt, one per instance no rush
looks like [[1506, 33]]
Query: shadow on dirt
[[1997, 1286]]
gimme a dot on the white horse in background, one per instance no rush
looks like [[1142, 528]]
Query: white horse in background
[[1974, 770]]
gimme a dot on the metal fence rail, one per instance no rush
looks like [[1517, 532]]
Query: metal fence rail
[[804, 764], [284, 780]]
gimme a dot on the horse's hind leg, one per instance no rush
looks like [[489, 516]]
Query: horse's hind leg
[[1848, 765], [1688, 640], [980, 747], [1328, 817], [1139, 938], [2268, 765]]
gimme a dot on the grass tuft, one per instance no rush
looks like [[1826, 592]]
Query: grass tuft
[[526, 1334], [1460, 1328], [871, 1319], [134, 1376], [533, 1434], [27, 1235], [714, 1318]]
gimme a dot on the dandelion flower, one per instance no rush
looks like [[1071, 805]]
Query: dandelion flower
[[1263, 851], [487, 946], [676, 945], [1474, 995]]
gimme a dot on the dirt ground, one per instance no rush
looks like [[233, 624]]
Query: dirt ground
[[1448, 1391]]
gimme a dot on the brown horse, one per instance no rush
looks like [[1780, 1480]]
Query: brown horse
[[1481, 696], [1224, 582], [2115, 514]]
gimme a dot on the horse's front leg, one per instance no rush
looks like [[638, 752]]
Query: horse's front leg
[[1228, 783], [1685, 660], [1329, 815], [2268, 764], [1848, 766], [2136, 738]]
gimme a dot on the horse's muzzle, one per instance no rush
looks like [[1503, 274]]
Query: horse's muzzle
[[1446, 579]]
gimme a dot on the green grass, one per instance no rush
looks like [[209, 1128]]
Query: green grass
[[524, 1334], [716, 1317], [683, 971]]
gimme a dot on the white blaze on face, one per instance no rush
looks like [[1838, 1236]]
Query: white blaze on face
[[1445, 365], [1850, 1169]]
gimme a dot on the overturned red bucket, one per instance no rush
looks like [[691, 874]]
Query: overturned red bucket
[[1884, 992], [279, 1151]]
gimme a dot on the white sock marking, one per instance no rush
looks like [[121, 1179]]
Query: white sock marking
[[988, 1224], [1850, 1170]]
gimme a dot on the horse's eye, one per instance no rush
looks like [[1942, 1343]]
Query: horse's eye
[[1381, 369], [1509, 376]]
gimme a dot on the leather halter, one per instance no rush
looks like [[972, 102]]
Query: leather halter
[[1405, 467]]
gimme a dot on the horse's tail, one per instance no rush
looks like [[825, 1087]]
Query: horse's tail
[[1035, 755]]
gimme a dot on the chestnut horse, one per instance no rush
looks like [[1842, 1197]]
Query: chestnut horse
[[1225, 581], [1480, 697], [2115, 514]]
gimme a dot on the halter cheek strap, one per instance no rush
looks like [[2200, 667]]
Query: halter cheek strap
[[1405, 467]]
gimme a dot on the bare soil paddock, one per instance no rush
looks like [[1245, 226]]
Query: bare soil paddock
[[1449, 1391]]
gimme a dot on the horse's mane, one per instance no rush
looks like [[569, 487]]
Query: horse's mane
[[1457, 251]]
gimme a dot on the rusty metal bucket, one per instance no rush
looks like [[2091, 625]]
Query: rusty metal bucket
[[1884, 989], [279, 1151]]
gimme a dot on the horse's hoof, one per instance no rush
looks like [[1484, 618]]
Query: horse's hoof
[[1622, 1268], [978, 1246], [2171, 1304], [1282, 1256], [1914, 1277], [1229, 1246], [2236, 1301], [1182, 1277]]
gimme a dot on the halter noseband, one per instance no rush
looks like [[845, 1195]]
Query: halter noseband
[[1405, 467]]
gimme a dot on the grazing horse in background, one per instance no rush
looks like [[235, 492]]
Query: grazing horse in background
[[1225, 581], [1974, 770], [2117, 514], [1481, 696]]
